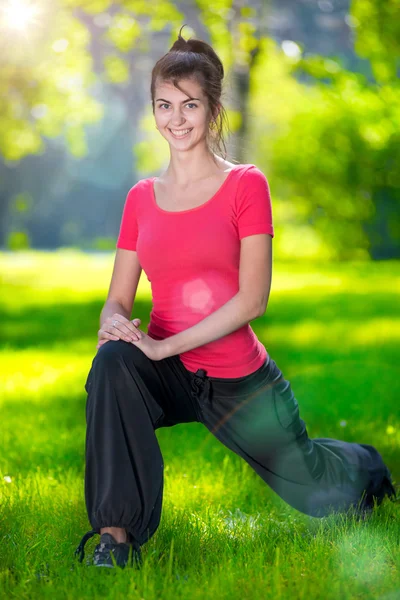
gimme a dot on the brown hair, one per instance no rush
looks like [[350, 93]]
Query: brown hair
[[195, 58]]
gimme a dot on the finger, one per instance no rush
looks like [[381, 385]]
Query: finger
[[121, 319], [136, 323], [131, 332], [121, 331], [103, 334], [127, 330], [129, 335]]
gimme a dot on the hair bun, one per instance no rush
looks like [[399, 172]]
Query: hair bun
[[197, 47]]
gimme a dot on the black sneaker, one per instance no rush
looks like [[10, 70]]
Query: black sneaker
[[386, 489], [109, 553]]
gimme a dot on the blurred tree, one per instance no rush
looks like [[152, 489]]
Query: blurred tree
[[335, 144], [377, 26], [331, 144], [236, 29], [55, 58], [45, 73], [68, 50]]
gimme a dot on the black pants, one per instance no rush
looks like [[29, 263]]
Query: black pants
[[256, 416]]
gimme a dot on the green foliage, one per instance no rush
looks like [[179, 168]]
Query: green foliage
[[44, 83], [21, 203], [116, 69], [152, 151], [48, 72], [377, 30], [124, 32], [331, 145], [104, 244], [18, 240]]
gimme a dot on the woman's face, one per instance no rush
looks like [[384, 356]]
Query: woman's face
[[176, 112]]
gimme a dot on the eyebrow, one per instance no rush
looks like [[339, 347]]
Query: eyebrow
[[183, 101]]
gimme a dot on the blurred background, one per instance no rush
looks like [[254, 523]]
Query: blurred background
[[312, 92], [311, 88]]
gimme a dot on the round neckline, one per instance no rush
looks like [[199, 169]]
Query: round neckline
[[180, 212]]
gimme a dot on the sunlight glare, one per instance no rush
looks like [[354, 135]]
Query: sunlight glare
[[19, 14], [291, 49]]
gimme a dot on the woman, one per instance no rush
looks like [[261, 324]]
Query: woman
[[202, 232]]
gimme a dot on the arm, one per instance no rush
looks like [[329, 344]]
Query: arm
[[123, 286], [127, 269], [121, 295], [255, 272], [111, 308], [235, 313]]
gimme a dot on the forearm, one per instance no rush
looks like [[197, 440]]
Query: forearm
[[111, 307], [235, 313]]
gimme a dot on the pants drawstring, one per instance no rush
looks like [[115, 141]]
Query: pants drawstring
[[201, 387]]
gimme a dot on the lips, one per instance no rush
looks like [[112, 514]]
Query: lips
[[180, 135]]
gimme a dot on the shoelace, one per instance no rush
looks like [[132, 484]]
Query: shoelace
[[81, 548]]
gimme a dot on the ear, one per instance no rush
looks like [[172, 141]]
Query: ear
[[217, 111]]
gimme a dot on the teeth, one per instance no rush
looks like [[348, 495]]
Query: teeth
[[180, 133]]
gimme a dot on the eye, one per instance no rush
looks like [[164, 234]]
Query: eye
[[188, 104]]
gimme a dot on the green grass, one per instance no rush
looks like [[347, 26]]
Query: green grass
[[334, 330]]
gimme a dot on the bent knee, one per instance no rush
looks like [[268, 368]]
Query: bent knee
[[112, 351]]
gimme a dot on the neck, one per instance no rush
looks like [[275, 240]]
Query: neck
[[186, 167]]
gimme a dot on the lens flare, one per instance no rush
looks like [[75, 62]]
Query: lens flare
[[19, 14]]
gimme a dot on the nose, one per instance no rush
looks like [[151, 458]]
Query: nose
[[177, 118]]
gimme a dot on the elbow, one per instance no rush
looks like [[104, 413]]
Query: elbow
[[254, 310], [262, 307], [257, 311], [262, 310]]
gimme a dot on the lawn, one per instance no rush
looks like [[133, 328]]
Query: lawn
[[334, 331]]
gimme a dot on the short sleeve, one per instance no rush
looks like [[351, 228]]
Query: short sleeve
[[253, 204], [128, 230]]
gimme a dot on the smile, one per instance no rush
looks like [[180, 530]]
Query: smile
[[180, 133]]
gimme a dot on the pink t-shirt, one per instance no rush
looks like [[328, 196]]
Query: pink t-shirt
[[191, 258]]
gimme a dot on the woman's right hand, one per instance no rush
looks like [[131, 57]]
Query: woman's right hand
[[119, 327]]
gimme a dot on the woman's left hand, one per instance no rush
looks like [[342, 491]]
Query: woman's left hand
[[153, 349]]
